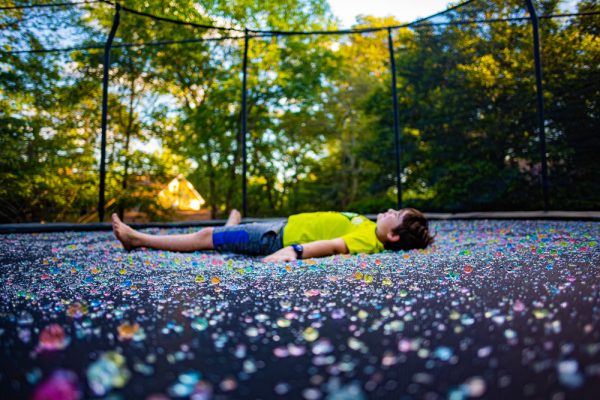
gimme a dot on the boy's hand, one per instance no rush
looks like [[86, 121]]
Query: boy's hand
[[285, 254]]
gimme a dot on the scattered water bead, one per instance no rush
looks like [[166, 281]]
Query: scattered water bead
[[540, 313], [228, 384], [468, 269], [186, 385], [61, 385], [25, 318], [356, 344], [338, 313], [351, 391], [127, 331], [200, 278], [251, 331], [180, 390], [322, 346], [362, 315], [484, 351], [34, 376], [283, 322], [199, 324], [139, 336], [443, 353], [518, 306], [310, 334], [282, 388], [510, 334], [358, 275], [452, 275], [312, 293], [215, 280], [474, 386], [24, 334], [569, 375], [53, 337], [261, 317], [108, 372], [281, 352], [386, 282], [95, 302], [368, 278], [77, 310], [311, 394]]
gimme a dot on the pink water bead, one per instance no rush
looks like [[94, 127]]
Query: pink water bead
[[61, 385], [53, 338]]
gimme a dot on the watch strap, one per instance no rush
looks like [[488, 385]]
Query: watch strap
[[299, 249]]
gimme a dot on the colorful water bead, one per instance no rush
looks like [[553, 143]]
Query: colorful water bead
[[53, 337], [107, 373], [77, 310], [310, 334], [61, 384], [199, 324], [127, 331]]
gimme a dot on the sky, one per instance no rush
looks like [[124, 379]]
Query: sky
[[403, 10]]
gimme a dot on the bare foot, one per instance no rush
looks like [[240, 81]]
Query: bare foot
[[126, 235], [234, 218]]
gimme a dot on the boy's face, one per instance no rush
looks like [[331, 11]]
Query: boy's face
[[389, 220]]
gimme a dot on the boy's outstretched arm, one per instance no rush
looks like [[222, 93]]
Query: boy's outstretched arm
[[320, 248]]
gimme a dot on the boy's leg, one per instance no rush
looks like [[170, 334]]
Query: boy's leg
[[131, 238]]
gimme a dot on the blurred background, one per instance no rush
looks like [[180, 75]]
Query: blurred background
[[320, 119]]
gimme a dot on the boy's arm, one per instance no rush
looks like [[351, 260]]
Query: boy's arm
[[320, 248]]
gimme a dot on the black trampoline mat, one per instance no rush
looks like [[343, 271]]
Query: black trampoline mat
[[494, 309]]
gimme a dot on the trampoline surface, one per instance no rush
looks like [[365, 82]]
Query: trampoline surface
[[494, 309]]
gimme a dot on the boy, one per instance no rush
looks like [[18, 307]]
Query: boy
[[305, 235]]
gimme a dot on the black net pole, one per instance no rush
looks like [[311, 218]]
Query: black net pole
[[396, 117], [540, 98], [111, 35], [244, 128]]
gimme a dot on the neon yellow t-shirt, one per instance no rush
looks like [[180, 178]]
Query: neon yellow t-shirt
[[358, 232]]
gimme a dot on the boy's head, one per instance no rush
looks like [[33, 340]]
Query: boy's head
[[403, 230]]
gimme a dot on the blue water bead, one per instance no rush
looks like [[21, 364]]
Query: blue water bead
[[443, 353]]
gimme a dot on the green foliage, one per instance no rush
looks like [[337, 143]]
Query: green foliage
[[320, 121]]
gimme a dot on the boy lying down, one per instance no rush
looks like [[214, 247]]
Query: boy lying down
[[307, 235]]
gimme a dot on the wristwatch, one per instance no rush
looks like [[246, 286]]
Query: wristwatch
[[298, 249]]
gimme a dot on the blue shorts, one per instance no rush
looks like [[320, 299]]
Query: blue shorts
[[258, 238]]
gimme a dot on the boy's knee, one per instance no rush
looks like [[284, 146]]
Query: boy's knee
[[204, 239], [205, 233]]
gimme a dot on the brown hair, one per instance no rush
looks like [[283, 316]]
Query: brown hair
[[413, 231]]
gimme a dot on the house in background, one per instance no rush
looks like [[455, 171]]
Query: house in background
[[181, 196]]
